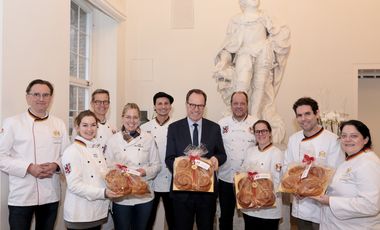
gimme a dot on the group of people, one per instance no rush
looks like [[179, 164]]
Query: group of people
[[35, 151]]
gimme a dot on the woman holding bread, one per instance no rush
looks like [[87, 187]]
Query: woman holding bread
[[137, 151], [86, 204], [353, 197], [264, 157]]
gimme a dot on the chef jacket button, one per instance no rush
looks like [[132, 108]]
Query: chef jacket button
[[101, 137], [139, 149], [88, 161], [155, 137], [92, 176], [100, 162], [124, 150]]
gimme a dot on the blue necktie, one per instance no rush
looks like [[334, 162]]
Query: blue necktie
[[195, 135]]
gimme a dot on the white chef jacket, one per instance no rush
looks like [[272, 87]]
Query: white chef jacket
[[104, 132], [85, 167], [354, 195], [324, 146], [159, 132], [267, 161], [237, 138], [140, 152], [25, 140]]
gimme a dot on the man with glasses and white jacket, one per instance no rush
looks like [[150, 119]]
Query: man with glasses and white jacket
[[31, 145]]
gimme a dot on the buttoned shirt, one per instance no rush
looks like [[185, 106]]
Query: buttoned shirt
[[25, 140], [237, 138], [159, 132], [325, 148]]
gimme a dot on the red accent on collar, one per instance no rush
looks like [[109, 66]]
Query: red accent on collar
[[265, 148], [314, 135], [349, 157], [80, 142], [37, 118]]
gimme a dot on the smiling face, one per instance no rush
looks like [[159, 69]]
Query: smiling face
[[351, 140], [87, 127], [100, 104], [262, 134], [239, 106], [131, 119], [38, 99], [307, 120], [162, 106], [195, 106]]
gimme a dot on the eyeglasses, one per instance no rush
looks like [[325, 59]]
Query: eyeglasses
[[262, 132], [101, 102], [39, 95], [193, 106]]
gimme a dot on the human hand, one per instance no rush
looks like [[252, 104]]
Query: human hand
[[37, 171], [49, 168], [214, 163], [141, 171], [111, 194], [324, 199]]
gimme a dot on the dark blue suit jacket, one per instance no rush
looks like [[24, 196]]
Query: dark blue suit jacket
[[179, 138]]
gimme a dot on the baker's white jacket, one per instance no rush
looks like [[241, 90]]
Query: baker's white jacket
[[140, 152], [325, 147], [159, 132], [237, 138], [267, 161], [354, 195], [84, 166], [25, 140]]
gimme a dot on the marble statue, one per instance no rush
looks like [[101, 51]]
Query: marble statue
[[252, 59]]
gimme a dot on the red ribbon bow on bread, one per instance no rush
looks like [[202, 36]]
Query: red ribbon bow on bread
[[308, 159]]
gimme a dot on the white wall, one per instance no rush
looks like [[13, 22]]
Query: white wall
[[35, 45], [3, 178], [369, 111], [328, 40], [34, 38]]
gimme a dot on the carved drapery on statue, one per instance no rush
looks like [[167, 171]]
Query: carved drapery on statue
[[252, 59]]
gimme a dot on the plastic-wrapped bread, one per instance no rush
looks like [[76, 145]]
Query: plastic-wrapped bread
[[254, 190]]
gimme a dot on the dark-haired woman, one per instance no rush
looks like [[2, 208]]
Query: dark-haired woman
[[86, 203], [353, 197], [267, 158]]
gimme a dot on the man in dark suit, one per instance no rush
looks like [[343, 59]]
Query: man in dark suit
[[196, 130]]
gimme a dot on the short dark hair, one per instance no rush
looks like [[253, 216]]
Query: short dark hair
[[196, 91], [84, 113], [262, 122], [362, 128], [239, 92], [306, 101], [162, 94], [39, 82], [99, 91]]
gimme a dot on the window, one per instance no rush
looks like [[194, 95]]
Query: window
[[80, 25]]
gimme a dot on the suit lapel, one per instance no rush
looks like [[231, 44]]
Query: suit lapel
[[186, 131]]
